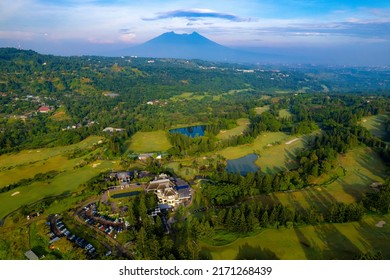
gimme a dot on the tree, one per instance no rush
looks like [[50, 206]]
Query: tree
[[131, 218], [264, 222]]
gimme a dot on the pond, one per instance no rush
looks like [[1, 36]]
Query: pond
[[242, 165], [126, 194], [190, 131]]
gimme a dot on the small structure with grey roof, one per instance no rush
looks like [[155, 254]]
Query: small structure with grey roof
[[31, 255]]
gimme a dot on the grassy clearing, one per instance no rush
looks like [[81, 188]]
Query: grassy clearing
[[376, 125], [155, 141], [187, 96], [265, 97], [242, 124], [260, 110], [184, 169], [60, 115], [284, 113], [329, 241]]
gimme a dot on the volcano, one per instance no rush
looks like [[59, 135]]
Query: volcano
[[189, 46]]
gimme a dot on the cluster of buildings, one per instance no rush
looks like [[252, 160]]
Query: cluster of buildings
[[171, 192]]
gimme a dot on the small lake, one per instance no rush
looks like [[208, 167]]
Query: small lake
[[242, 165], [190, 131]]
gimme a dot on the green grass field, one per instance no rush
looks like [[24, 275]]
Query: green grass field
[[60, 115], [27, 163], [375, 124], [284, 113], [186, 96], [28, 156], [328, 241], [66, 182], [143, 142], [242, 124], [363, 167], [260, 143], [277, 150], [260, 110], [186, 171]]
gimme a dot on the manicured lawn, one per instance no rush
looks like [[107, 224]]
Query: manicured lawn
[[26, 164], [242, 124], [14, 175], [277, 150], [260, 143], [282, 156], [65, 182], [376, 125], [328, 241], [363, 167], [143, 142], [186, 171], [31, 156]]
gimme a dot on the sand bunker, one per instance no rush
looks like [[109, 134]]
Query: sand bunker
[[95, 164], [15, 193], [380, 224], [292, 141]]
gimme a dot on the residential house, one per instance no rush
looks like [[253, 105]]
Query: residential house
[[44, 109], [125, 178]]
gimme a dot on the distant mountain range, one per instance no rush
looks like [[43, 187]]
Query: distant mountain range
[[193, 46]]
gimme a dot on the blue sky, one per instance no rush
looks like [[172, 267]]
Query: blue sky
[[352, 30]]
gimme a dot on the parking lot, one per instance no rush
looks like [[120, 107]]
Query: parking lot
[[59, 230]]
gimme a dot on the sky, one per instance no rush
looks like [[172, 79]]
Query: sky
[[319, 31]]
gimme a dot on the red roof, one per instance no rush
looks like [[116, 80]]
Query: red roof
[[44, 109]]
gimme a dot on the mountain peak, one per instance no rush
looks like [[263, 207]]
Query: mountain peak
[[186, 46]]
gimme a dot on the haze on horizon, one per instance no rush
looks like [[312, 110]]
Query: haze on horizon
[[353, 32]]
